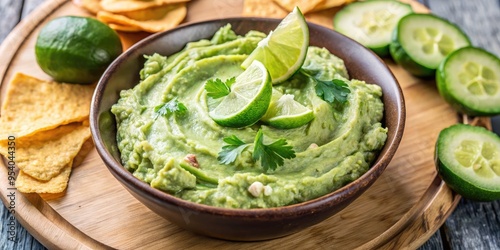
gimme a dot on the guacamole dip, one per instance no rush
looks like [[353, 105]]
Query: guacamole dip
[[167, 139]]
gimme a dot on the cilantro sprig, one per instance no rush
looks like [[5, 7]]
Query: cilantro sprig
[[170, 107], [335, 90], [232, 150], [216, 88], [271, 156]]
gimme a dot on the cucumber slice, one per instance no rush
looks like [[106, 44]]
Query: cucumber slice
[[468, 160], [421, 41], [469, 80], [371, 22]]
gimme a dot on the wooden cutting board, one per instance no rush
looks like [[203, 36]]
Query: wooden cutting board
[[404, 207]]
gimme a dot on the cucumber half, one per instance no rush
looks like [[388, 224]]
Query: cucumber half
[[469, 80], [371, 23], [468, 160], [421, 41]]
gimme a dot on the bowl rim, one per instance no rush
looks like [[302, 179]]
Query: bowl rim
[[307, 207]]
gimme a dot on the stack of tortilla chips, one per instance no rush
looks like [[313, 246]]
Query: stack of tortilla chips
[[137, 15], [280, 8], [48, 123]]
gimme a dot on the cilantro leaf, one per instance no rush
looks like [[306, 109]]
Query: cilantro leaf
[[331, 91], [216, 88], [232, 150], [230, 81], [170, 107], [271, 155]]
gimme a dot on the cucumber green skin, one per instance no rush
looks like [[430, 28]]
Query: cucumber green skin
[[381, 51], [72, 64], [463, 187], [289, 125], [402, 58], [445, 92]]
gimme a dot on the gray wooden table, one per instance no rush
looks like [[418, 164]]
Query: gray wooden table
[[473, 225]]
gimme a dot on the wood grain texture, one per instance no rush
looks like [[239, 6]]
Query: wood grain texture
[[474, 225], [11, 12], [414, 141]]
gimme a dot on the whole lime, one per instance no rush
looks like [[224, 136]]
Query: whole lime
[[76, 49]]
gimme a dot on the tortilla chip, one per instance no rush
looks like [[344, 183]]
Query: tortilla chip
[[119, 6], [92, 6], [323, 17], [305, 6], [45, 154], [263, 8], [32, 105], [330, 4], [87, 146], [28, 184], [123, 28], [167, 17]]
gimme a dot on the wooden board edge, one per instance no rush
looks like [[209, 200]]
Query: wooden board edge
[[23, 30], [40, 220], [47, 231], [439, 220], [415, 227], [36, 216], [429, 214]]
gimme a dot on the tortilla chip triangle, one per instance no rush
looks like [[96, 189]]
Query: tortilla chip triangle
[[263, 8], [119, 6], [92, 6], [330, 4], [28, 184], [45, 154], [165, 17], [305, 6], [32, 105]]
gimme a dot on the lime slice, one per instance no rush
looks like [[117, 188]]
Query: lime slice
[[248, 100], [468, 160], [284, 50], [469, 80], [286, 113]]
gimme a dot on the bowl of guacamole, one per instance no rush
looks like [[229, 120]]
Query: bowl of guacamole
[[151, 125]]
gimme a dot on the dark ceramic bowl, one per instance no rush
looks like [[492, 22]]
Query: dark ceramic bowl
[[242, 224]]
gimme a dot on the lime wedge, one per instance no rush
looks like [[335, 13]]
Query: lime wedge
[[284, 50], [248, 100], [468, 160], [286, 113]]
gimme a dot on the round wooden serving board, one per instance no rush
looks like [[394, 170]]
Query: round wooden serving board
[[406, 205]]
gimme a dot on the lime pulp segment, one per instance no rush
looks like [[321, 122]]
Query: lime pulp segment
[[286, 113], [248, 100]]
